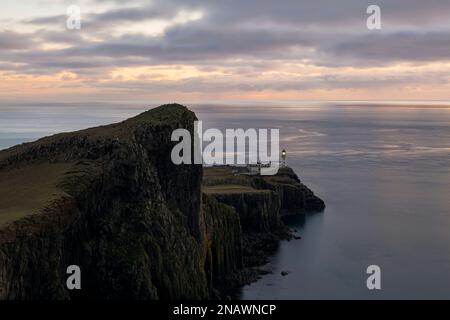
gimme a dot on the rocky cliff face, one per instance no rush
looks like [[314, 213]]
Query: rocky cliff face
[[224, 243], [261, 202], [267, 199], [129, 217], [136, 224], [258, 211]]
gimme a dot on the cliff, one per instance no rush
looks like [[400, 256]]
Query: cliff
[[110, 200], [262, 202]]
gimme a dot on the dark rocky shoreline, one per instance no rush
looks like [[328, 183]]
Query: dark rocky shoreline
[[262, 205], [111, 201]]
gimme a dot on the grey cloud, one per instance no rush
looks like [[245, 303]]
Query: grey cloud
[[319, 12], [257, 32], [11, 40], [399, 46], [50, 20], [68, 37]]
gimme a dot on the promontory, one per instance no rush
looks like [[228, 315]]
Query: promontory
[[110, 200]]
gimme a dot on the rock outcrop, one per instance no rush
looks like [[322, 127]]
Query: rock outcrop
[[262, 202], [224, 244], [110, 200]]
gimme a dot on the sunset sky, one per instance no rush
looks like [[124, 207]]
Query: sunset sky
[[187, 50]]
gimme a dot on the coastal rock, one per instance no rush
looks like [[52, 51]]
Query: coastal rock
[[258, 211], [110, 200], [224, 243], [262, 203], [127, 216]]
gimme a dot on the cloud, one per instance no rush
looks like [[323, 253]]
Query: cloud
[[244, 39], [398, 46], [12, 41], [49, 20]]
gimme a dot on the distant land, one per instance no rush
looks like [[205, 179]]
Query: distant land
[[110, 200]]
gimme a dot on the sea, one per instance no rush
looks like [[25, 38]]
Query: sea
[[382, 168]]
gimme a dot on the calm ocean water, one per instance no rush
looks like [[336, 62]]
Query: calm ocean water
[[382, 170]]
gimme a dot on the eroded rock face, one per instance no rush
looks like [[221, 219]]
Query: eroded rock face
[[295, 197], [262, 203], [270, 198], [130, 220], [138, 226], [224, 243], [258, 211]]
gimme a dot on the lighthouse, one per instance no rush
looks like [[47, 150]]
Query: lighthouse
[[283, 158]]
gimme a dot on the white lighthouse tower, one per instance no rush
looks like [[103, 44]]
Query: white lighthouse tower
[[283, 158]]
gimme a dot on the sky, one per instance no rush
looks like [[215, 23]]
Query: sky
[[228, 50]]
